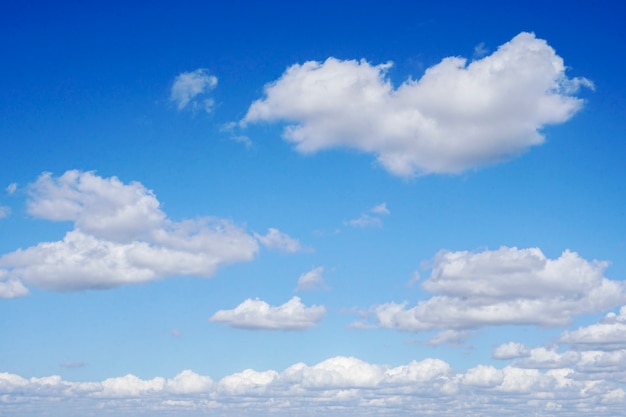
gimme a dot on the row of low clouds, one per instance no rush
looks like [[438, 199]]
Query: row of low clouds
[[540, 381], [507, 286], [457, 116], [121, 236], [586, 379]]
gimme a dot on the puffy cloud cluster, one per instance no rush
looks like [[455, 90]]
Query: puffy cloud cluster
[[190, 89], [257, 314], [608, 334], [340, 385], [120, 236], [505, 286], [456, 116]]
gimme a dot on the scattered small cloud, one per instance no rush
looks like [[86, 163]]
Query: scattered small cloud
[[11, 188], [450, 337], [371, 218], [380, 209], [480, 50], [4, 212], [275, 239], [234, 132], [190, 89], [259, 315], [414, 279], [365, 220], [312, 280], [73, 365], [176, 333]]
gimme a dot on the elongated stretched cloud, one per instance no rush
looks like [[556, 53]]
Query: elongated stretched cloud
[[190, 88], [312, 280], [338, 386], [608, 334], [275, 239], [257, 314], [120, 236], [505, 286], [455, 117]]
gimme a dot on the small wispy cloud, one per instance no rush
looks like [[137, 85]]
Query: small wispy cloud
[[275, 239], [480, 50], [73, 365], [11, 188], [4, 211], [371, 218], [190, 89], [234, 131], [312, 280]]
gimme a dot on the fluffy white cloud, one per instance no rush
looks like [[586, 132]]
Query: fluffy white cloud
[[311, 280], [456, 116], [510, 350], [103, 207], [341, 386], [11, 287], [257, 314], [4, 211], [275, 239], [189, 87], [120, 236], [11, 188], [609, 334], [505, 286], [547, 358]]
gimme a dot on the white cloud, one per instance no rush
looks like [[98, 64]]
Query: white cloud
[[341, 386], [449, 337], [275, 239], [11, 287], [189, 88], [370, 220], [457, 116], [510, 350], [11, 188], [103, 207], [505, 286], [547, 358], [4, 212], [311, 280], [365, 221], [120, 237], [257, 314], [609, 334], [380, 209]]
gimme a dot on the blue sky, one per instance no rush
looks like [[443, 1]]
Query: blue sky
[[309, 210]]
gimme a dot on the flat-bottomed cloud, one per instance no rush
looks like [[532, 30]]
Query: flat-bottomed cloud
[[457, 116]]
